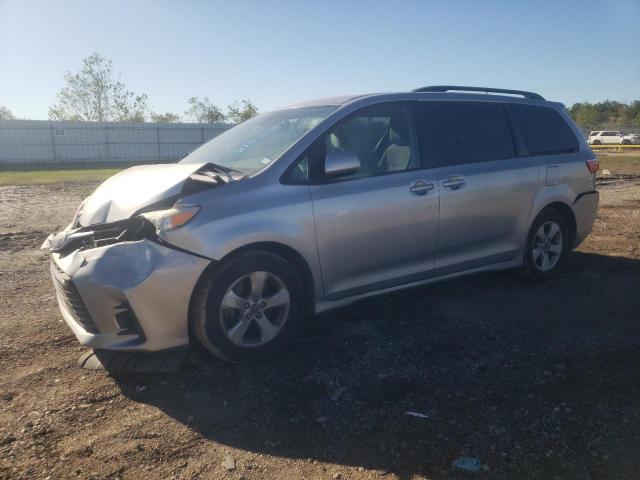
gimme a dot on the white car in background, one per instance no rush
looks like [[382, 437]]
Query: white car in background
[[631, 139], [612, 137]]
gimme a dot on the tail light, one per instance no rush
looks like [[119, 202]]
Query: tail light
[[593, 165]]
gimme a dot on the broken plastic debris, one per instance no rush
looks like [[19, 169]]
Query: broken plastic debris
[[417, 414], [229, 462], [468, 464]]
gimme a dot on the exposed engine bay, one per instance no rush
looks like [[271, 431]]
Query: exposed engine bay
[[136, 227]]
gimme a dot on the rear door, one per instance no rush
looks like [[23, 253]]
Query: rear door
[[486, 190], [611, 138], [377, 227]]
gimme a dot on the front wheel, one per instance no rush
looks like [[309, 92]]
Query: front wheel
[[626, 142], [597, 142], [547, 245], [248, 308]]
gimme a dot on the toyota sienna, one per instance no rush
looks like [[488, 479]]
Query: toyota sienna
[[307, 208]]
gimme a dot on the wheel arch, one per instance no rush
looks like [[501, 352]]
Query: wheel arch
[[565, 210], [286, 252]]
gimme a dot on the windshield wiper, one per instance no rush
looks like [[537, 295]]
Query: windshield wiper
[[210, 175], [225, 170]]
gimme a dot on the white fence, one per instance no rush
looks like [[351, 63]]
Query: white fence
[[36, 141]]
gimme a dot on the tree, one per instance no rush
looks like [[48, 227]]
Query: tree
[[167, 117], [607, 114], [5, 113], [632, 114], [203, 111], [94, 94], [238, 113], [586, 114]]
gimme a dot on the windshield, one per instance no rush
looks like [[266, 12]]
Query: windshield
[[252, 145]]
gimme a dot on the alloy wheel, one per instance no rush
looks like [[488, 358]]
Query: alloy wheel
[[254, 309], [547, 246]]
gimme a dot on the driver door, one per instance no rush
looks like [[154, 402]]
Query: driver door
[[377, 227]]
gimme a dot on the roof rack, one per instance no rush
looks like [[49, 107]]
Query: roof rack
[[457, 88]]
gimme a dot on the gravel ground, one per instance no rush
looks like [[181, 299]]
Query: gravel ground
[[536, 381]]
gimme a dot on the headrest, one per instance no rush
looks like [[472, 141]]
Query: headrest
[[334, 142], [398, 132]]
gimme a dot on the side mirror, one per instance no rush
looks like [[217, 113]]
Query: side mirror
[[339, 164]]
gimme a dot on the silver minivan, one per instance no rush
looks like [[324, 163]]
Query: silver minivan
[[307, 208]]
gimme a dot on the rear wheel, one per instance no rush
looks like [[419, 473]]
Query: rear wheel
[[248, 308], [547, 245]]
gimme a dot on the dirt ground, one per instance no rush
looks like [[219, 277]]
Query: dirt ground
[[537, 381]]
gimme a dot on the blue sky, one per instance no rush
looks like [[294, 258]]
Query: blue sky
[[277, 53]]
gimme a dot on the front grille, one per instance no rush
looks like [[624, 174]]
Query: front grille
[[93, 236], [70, 300]]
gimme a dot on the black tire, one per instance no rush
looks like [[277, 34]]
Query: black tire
[[532, 267], [207, 322], [597, 142], [626, 142]]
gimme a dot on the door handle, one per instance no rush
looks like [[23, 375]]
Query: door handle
[[421, 187], [454, 182]]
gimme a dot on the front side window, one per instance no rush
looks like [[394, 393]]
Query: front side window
[[453, 133], [253, 145], [381, 136], [300, 171]]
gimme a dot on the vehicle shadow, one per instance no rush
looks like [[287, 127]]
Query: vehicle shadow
[[535, 380]]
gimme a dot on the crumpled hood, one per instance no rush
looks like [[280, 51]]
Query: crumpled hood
[[134, 188]]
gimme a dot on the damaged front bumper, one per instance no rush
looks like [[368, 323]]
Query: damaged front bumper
[[123, 292]]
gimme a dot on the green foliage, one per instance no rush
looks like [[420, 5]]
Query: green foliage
[[5, 113], [203, 111], [241, 111], [607, 114], [94, 94], [39, 177], [167, 117]]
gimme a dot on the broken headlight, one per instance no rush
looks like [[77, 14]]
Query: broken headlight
[[172, 218]]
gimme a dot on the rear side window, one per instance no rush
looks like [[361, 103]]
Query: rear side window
[[544, 130], [452, 133]]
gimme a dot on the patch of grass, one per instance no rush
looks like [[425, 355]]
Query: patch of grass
[[628, 163], [41, 177]]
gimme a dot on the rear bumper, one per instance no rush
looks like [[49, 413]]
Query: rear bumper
[[127, 296], [585, 209]]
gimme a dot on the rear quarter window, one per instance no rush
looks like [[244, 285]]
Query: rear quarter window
[[464, 132], [544, 130]]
